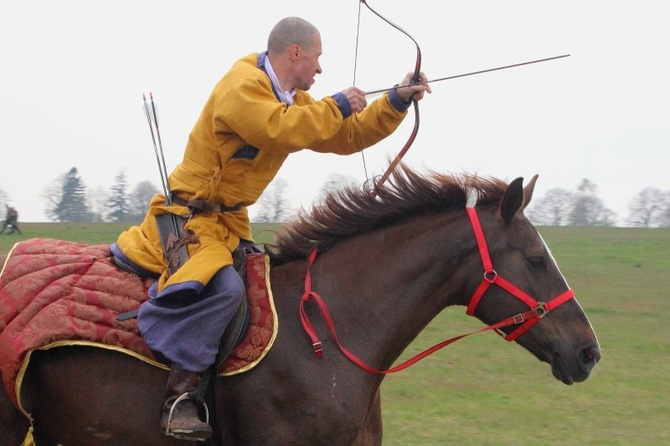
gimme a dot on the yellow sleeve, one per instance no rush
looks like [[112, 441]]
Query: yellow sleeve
[[364, 129], [245, 104]]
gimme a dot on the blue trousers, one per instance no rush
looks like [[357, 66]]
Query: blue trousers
[[186, 321]]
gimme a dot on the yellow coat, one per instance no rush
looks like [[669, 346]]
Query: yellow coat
[[243, 110]]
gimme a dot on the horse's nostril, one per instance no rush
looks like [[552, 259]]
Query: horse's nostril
[[590, 356]]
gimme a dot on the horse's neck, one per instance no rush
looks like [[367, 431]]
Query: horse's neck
[[388, 285]]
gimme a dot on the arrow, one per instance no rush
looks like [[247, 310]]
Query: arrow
[[472, 73]]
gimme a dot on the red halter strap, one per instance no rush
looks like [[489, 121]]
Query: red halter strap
[[524, 320]]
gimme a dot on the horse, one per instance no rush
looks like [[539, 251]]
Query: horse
[[364, 271]]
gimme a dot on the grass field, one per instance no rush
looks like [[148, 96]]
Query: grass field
[[484, 391]]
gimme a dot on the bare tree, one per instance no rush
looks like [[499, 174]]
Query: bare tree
[[52, 195], [139, 199], [664, 215], [587, 209], [552, 209], [4, 199], [646, 209], [336, 181], [98, 199], [274, 207]]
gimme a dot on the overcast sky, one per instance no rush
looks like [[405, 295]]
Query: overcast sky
[[72, 74]]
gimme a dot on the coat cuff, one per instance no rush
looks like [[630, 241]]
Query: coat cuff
[[397, 103], [343, 104]]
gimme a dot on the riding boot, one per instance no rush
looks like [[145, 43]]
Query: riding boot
[[180, 413]]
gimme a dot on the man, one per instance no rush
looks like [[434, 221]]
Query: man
[[11, 221], [257, 114]]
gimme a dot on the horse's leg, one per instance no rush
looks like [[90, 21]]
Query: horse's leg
[[372, 430], [85, 396], [13, 424]]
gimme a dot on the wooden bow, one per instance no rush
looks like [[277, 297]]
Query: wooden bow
[[415, 80]]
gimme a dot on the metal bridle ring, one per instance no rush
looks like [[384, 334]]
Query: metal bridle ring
[[490, 276]]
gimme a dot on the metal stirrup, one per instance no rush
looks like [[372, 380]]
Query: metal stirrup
[[182, 397]]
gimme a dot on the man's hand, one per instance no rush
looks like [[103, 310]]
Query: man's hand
[[356, 98], [407, 91]]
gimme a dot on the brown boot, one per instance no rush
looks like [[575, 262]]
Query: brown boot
[[180, 413]]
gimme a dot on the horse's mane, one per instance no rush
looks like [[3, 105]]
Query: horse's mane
[[356, 210]]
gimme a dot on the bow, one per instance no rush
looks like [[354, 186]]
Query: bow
[[415, 103]]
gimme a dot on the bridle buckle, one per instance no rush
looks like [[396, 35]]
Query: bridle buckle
[[541, 310]]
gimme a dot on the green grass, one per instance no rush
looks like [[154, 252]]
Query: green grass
[[485, 391], [94, 233]]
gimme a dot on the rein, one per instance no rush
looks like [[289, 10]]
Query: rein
[[525, 320]]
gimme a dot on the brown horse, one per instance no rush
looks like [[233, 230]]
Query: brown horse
[[388, 263]]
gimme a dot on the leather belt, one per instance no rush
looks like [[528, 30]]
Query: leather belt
[[203, 206]]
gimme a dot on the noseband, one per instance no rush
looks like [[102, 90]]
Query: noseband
[[524, 320]]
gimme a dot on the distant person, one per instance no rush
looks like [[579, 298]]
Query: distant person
[[11, 221], [258, 114]]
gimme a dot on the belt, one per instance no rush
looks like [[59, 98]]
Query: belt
[[203, 206]]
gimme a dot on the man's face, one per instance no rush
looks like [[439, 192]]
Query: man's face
[[307, 65]]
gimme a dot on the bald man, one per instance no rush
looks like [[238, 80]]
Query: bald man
[[257, 114]]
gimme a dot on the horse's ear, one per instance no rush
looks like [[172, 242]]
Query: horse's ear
[[528, 191], [512, 200]]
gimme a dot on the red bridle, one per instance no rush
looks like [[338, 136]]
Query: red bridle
[[524, 320]]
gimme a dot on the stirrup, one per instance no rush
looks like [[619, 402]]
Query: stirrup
[[182, 397]]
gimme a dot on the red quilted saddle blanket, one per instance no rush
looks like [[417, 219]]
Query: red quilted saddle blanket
[[55, 293]]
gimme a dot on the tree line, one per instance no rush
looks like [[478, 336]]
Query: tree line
[[582, 207], [67, 199]]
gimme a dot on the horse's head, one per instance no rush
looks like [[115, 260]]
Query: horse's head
[[524, 291]]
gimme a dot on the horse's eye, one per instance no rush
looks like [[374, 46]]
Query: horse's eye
[[536, 262]]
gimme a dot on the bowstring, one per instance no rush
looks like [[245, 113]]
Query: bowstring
[[353, 83]]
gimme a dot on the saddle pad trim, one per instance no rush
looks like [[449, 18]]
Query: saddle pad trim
[[275, 328], [4, 265]]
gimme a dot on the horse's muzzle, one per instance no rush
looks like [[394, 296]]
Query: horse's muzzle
[[570, 373]]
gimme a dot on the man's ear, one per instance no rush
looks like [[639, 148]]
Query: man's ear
[[295, 52]]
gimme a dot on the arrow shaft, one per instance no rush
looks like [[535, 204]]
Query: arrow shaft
[[472, 73]]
